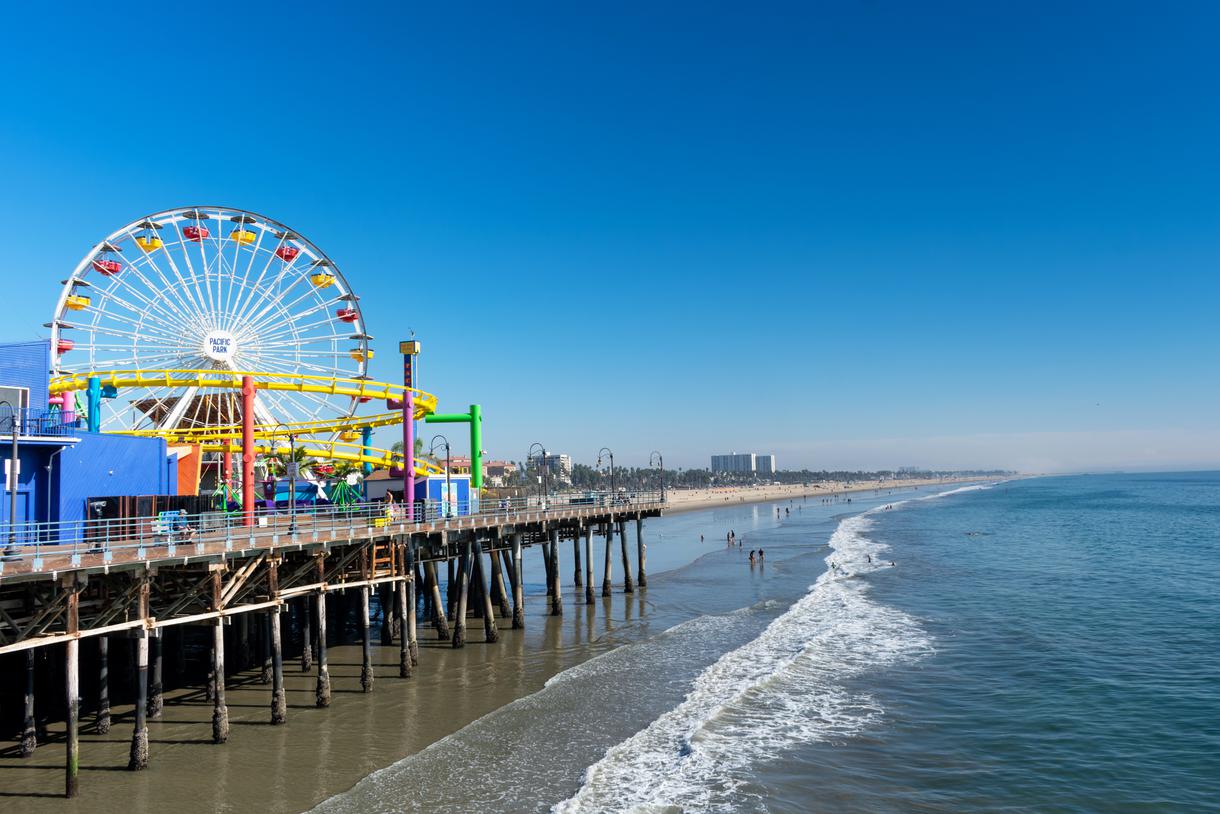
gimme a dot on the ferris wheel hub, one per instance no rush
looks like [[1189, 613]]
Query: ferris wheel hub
[[220, 346]]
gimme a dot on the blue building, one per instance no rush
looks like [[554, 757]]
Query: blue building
[[61, 466]]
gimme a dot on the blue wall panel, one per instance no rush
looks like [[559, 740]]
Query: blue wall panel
[[107, 465], [27, 364]]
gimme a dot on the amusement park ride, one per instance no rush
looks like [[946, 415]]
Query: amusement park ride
[[162, 323]]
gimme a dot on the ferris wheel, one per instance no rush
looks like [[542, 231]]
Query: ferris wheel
[[210, 289]]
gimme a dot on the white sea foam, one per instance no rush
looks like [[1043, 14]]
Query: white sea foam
[[787, 686]]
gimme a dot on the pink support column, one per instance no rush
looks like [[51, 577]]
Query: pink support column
[[247, 450]]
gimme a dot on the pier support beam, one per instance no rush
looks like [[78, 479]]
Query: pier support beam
[[588, 530], [220, 711], [412, 601], [607, 570], [366, 646], [518, 588], [279, 700], [641, 553], [439, 619], [556, 601], [576, 575], [156, 698], [102, 721], [490, 632], [406, 613], [306, 636], [72, 671], [628, 588], [499, 593], [29, 738], [459, 617], [322, 689], [138, 757]]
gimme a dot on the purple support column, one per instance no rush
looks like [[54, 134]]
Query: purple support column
[[408, 446]]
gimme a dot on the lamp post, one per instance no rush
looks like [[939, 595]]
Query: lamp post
[[292, 477], [446, 503], [10, 550], [661, 465], [606, 450], [542, 462]]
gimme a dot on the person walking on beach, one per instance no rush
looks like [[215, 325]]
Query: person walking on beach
[[751, 558], [761, 555]]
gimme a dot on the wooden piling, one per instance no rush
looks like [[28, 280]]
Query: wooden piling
[[138, 757], [306, 637], [588, 530], [459, 619], [518, 588], [556, 600], [607, 575], [439, 618], [264, 640], [628, 588], [29, 737], [548, 564], [220, 710], [411, 603], [490, 632], [322, 689], [576, 575], [641, 553], [366, 665], [101, 723], [386, 598], [404, 641], [279, 700], [72, 671], [499, 593], [156, 700]]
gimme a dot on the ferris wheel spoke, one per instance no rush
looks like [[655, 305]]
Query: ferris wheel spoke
[[110, 294], [196, 298], [148, 329], [244, 305], [286, 308], [158, 302], [275, 299], [276, 363], [173, 296], [230, 306]]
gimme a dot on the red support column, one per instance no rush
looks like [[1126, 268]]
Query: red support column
[[247, 450]]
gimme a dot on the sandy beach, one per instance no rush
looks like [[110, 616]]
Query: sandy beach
[[688, 500]]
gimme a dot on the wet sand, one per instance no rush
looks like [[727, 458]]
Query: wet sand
[[689, 500], [319, 752]]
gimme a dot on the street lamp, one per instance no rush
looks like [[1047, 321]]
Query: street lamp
[[292, 477], [661, 464], [542, 461], [606, 450], [446, 503], [10, 550]]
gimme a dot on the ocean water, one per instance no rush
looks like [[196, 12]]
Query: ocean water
[[1043, 645]]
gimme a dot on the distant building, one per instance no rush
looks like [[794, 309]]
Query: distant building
[[764, 464], [559, 465], [498, 473], [735, 462]]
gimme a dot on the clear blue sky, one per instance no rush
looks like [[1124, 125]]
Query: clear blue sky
[[855, 234]]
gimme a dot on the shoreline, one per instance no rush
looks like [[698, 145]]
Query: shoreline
[[690, 500]]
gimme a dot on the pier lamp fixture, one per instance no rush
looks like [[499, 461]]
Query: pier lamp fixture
[[542, 463], [446, 502], [292, 468], [607, 451], [10, 550], [661, 466]]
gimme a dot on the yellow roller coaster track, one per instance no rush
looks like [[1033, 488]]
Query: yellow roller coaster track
[[225, 438], [194, 435], [425, 403]]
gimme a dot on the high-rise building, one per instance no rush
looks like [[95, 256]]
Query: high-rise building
[[764, 464], [559, 465], [735, 462]]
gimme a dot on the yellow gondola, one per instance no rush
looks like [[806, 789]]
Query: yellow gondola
[[321, 279], [350, 436], [149, 243], [242, 236], [360, 355], [78, 302]]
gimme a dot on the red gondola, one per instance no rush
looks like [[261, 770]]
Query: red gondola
[[347, 314], [195, 233], [107, 267], [287, 253], [64, 345]]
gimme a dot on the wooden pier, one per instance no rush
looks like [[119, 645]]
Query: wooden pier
[[240, 581]]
